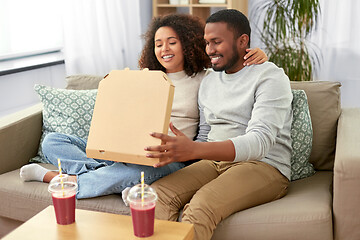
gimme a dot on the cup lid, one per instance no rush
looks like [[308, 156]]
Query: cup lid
[[62, 184], [135, 194]]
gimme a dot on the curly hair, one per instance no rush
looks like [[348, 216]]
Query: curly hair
[[190, 30]]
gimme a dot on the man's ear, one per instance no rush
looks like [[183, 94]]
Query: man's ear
[[243, 41]]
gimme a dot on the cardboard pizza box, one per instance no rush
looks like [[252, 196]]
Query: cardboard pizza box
[[130, 104]]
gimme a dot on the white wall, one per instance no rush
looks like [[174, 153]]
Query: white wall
[[17, 89]]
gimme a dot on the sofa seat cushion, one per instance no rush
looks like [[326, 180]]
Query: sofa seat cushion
[[304, 213], [22, 200]]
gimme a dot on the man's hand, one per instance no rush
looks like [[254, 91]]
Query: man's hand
[[175, 149]]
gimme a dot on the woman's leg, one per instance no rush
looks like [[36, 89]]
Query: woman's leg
[[96, 177], [116, 177], [71, 151]]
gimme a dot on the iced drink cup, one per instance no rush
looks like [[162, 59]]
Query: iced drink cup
[[63, 191], [142, 210]]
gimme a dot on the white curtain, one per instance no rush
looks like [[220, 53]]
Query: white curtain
[[338, 37], [100, 36]]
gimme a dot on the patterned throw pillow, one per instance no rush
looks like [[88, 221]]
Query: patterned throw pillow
[[65, 111], [301, 134]]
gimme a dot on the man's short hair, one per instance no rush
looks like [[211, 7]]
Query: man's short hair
[[235, 20]]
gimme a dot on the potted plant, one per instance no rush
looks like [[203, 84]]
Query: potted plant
[[285, 29]]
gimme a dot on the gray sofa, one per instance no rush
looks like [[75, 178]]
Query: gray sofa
[[323, 206]]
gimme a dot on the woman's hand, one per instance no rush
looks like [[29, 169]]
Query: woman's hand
[[175, 149], [255, 56]]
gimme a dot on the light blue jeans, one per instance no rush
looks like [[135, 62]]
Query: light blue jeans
[[97, 177]]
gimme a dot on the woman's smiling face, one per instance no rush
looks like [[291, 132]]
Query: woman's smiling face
[[168, 50]]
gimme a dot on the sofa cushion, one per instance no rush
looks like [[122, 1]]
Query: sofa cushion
[[304, 213], [301, 135], [324, 105], [65, 111], [22, 200], [83, 82]]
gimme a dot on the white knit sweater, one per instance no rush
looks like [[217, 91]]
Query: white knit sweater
[[252, 108], [185, 112]]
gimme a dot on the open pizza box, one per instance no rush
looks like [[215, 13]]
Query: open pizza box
[[130, 104]]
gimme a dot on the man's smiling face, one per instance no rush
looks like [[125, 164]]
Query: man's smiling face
[[222, 48]]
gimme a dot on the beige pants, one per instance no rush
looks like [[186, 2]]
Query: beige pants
[[214, 190]]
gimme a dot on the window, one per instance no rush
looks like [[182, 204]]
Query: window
[[29, 27]]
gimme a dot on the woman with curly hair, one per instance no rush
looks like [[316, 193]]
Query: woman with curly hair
[[188, 30], [174, 45]]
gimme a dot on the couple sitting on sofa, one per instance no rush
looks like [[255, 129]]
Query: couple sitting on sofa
[[244, 121]]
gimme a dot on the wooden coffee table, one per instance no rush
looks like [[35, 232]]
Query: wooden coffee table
[[95, 225]]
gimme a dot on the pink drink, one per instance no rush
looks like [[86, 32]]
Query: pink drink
[[64, 208], [142, 199], [63, 191], [143, 219]]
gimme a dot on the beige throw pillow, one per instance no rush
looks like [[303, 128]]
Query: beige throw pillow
[[83, 82], [324, 104]]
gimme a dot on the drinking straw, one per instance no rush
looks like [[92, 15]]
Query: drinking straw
[[61, 179], [142, 188]]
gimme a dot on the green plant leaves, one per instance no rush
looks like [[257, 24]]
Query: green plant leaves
[[287, 26]]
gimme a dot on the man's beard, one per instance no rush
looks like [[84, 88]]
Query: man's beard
[[235, 57]]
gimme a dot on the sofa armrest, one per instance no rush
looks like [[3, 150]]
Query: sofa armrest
[[19, 137], [347, 176]]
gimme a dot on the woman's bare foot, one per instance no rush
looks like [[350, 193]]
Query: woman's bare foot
[[50, 175]]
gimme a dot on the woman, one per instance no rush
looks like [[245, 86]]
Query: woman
[[175, 45]]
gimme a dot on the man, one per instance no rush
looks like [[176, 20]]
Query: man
[[244, 135]]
